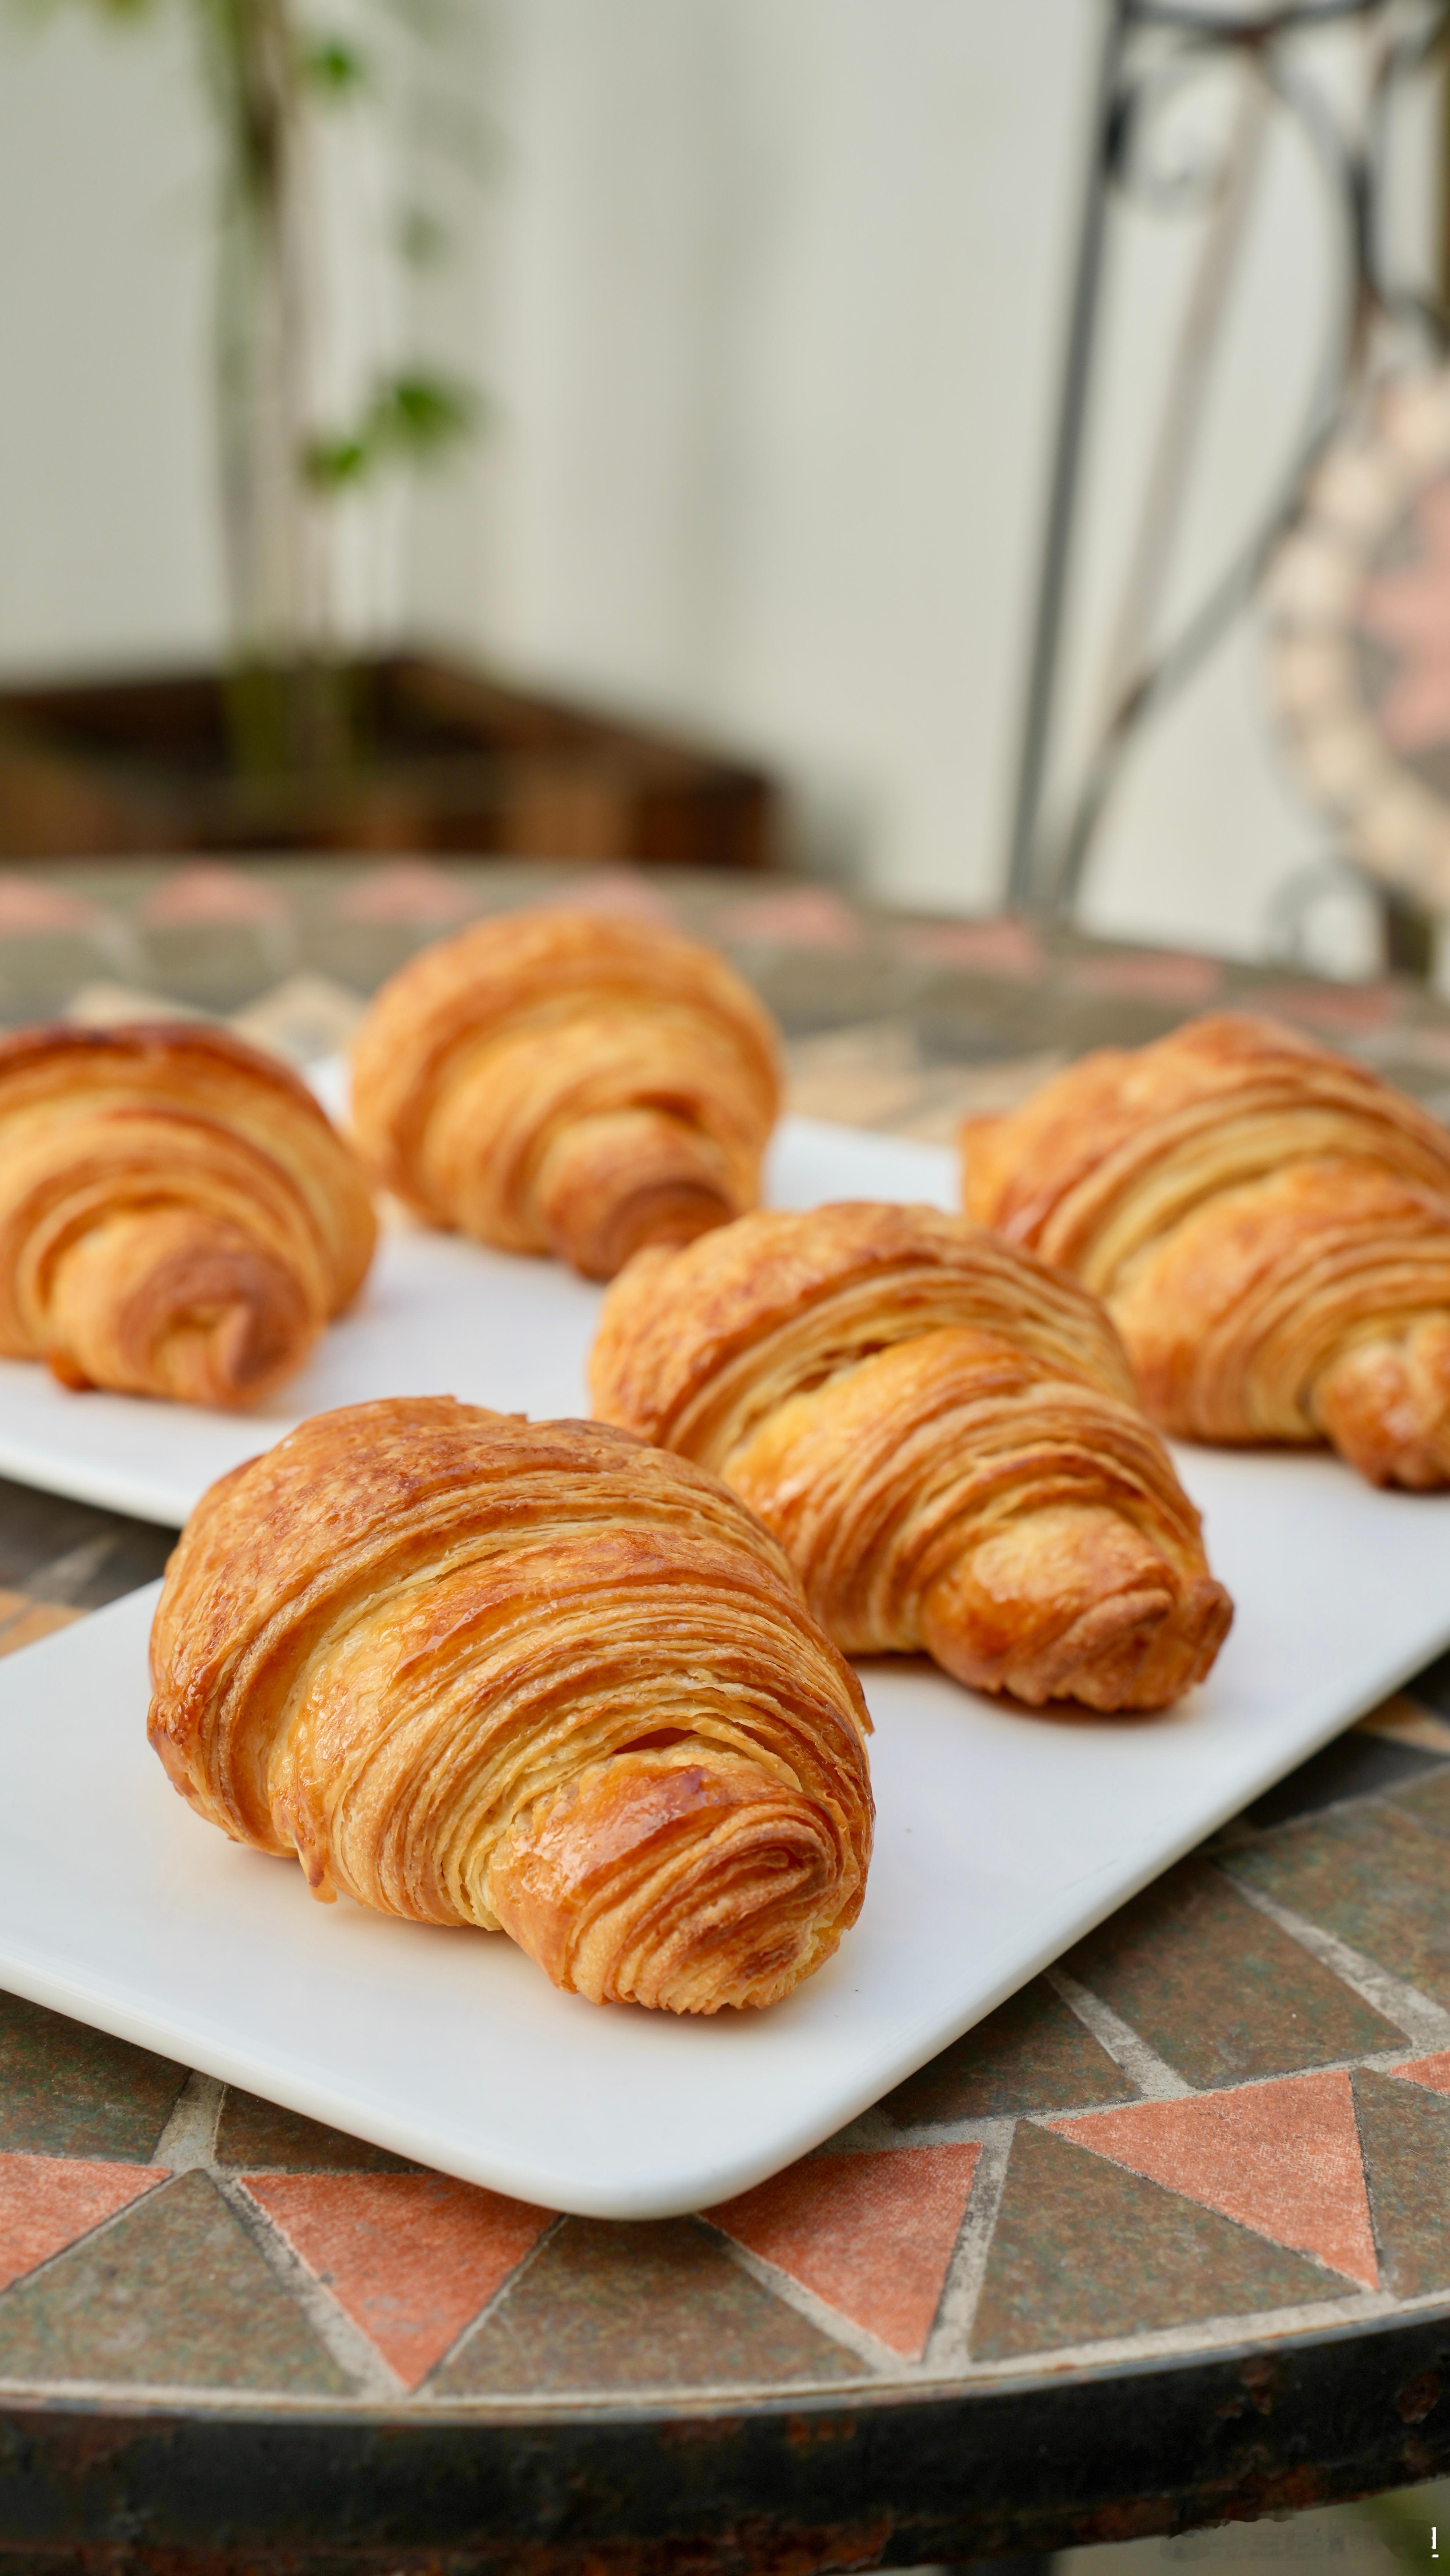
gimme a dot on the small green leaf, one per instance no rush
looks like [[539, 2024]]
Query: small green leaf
[[334, 66], [420, 414], [411, 419], [329, 464]]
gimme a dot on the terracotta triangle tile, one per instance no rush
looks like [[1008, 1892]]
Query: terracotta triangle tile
[[1083, 2249], [410, 2257], [608, 2305], [1282, 2158], [46, 2202], [871, 2235], [172, 2294], [1432, 2072]]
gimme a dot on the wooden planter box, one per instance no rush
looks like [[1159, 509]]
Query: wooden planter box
[[452, 762]]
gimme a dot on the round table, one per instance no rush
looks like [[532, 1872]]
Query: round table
[[1166, 2240]]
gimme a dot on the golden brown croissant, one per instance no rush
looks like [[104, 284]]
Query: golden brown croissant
[[529, 1676], [1269, 1225], [942, 1435], [568, 1082], [177, 1217]]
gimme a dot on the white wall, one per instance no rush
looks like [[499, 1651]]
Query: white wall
[[782, 303], [107, 552], [770, 294]]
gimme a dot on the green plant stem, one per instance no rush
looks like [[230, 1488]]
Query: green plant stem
[[289, 698], [286, 707]]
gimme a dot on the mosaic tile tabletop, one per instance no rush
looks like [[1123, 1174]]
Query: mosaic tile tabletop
[[1222, 2121], [1227, 2111]]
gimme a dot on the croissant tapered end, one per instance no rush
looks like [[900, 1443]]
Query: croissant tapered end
[[669, 1882], [530, 1677], [568, 1082], [177, 1217], [1385, 1404], [1269, 1224], [165, 1303], [941, 1433], [608, 1186], [1077, 1604]]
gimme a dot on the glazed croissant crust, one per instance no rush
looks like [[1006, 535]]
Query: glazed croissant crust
[[529, 1676], [177, 1216], [943, 1436], [1269, 1225], [568, 1082]]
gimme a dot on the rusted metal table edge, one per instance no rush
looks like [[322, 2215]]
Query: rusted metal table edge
[[893, 2477]]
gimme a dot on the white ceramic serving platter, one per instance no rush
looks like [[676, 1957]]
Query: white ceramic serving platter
[[1001, 1838], [436, 1316]]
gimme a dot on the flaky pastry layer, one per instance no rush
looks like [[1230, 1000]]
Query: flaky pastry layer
[[177, 1216], [943, 1435], [568, 1082], [529, 1676], [1269, 1225]]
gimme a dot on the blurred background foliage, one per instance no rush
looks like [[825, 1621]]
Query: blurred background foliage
[[293, 438]]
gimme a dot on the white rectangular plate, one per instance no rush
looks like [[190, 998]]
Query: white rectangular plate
[[1002, 1837], [437, 1316]]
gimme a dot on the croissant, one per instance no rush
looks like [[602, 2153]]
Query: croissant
[[1269, 1225], [568, 1082], [529, 1676], [942, 1435], [177, 1217]]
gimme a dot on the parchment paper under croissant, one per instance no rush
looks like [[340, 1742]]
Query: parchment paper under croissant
[[1269, 1224], [943, 1436], [177, 1216], [475, 1670], [568, 1082]]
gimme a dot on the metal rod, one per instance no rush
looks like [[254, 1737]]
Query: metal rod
[[1041, 875], [1159, 682], [1052, 583], [1181, 420]]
